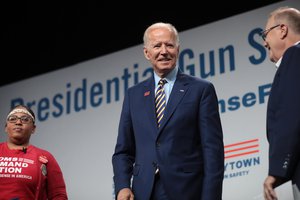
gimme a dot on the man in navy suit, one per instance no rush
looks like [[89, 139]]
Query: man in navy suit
[[183, 158], [282, 39]]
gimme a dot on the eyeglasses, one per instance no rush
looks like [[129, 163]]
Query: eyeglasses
[[264, 33], [24, 119]]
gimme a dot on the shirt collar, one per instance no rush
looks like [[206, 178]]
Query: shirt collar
[[171, 77], [279, 61]]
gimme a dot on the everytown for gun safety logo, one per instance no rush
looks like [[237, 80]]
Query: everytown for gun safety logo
[[237, 160]]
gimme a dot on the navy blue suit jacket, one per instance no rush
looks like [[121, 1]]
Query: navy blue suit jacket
[[188, 147], [283, 118]]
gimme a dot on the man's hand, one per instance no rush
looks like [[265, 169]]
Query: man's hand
[[125, 194]]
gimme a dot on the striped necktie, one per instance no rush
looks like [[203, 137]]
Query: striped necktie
[[160, 101]]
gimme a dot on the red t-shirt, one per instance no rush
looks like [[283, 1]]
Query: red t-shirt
[[33, 174]]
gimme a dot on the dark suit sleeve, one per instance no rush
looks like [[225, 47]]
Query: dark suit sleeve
[[284, 116], [123, 157], [212, 142]]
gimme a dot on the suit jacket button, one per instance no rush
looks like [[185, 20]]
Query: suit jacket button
[[157, 144]]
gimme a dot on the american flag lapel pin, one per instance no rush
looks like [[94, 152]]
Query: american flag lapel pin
[[146, 93]]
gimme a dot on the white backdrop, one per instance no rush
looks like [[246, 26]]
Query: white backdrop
[[78, 107]]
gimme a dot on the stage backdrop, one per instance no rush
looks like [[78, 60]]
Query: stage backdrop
[[78, 107]]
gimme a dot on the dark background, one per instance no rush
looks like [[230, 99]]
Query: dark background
[[39, 37]]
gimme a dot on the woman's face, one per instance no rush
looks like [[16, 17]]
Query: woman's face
[[19, 127]]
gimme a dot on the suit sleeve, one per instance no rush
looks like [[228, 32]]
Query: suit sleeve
[[123, 157], [213, 147], [284, 129]]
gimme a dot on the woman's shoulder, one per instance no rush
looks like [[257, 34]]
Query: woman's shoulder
[[41, 151]]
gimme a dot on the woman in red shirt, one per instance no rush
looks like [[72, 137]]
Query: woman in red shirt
[[26, 171]]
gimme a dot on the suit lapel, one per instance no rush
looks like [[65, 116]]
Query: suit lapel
[[178, 91], [148, 92]]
